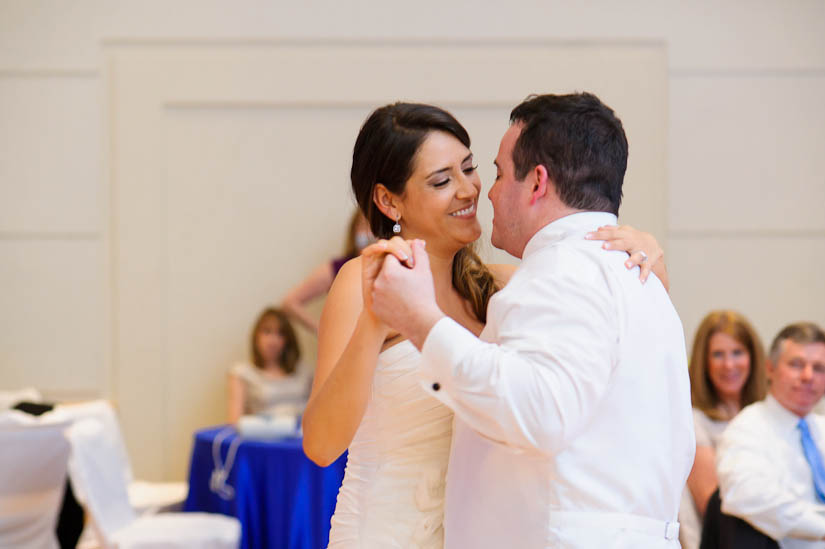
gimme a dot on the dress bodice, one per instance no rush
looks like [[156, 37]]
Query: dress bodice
[[393, 489]]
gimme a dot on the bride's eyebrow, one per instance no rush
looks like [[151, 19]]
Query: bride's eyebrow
[[438, 172], [466, 158]]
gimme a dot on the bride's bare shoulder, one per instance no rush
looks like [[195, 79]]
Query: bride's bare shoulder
[[502, 272], [351, 270], [346, 286]]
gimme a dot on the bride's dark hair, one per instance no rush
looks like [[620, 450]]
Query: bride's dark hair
[[384, 153]]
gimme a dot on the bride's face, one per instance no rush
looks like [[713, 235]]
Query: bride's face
[[441, 196]]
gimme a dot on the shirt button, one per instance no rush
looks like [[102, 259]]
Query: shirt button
[[436, 386]]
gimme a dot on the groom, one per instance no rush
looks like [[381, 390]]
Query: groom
[[573, 424]]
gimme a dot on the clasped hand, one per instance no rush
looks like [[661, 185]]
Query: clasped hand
[[397, 282], [397, 285]]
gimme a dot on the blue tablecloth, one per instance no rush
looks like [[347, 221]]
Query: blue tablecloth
[[282, 499]]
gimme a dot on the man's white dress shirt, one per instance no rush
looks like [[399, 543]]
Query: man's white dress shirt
[[764, 477], [573, 422]]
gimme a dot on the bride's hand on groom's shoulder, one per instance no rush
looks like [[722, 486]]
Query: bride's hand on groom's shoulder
[[642, 247]]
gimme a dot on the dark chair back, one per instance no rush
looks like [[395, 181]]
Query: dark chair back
[[721, 531]]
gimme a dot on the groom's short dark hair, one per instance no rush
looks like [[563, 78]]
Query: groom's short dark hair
[[581, 143]]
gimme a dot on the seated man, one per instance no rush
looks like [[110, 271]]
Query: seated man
[[769, 460]]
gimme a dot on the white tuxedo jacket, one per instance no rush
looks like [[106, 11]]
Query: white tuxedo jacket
[[573, 422]]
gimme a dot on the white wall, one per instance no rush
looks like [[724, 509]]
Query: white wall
[[742, 215]]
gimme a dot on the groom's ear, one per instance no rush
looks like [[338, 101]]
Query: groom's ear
[[385, 200], [540, 183]]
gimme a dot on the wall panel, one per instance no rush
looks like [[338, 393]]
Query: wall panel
[[208, 139], [746, 154], [701, 34], [51, 317], [51, 150], [772, 280]]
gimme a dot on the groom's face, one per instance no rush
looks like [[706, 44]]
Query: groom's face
[[508, 197]]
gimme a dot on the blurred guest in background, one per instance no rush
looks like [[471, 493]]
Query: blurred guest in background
[[770, 462], [320, 280], [726, 374], [272, 379]]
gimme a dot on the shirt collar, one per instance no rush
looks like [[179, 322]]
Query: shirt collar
[[581, 222], [785, 417]]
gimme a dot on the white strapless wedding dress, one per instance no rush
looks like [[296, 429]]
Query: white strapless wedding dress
[[393, 490]]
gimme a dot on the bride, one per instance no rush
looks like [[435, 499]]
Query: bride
[[414, 176]]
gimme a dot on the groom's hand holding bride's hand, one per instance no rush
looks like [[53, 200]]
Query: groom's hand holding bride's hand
[[398, 287]]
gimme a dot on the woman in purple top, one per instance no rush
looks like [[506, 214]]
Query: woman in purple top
[[320, 279]]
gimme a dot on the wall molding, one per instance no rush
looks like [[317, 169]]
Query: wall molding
[[71, 395], [734, 73], [322, 43], [48, 73], [49, 236], [747, 233], [319, 104], [147, 80]]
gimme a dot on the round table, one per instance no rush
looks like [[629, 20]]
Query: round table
[[281, 498]]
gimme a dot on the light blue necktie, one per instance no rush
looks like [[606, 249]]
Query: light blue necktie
[[814, 459]]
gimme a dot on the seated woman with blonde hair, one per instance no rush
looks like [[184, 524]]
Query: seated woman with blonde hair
[[272, 380], [727, 372]]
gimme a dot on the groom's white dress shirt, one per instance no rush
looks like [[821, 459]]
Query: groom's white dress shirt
[[764, 477], [573, 423]]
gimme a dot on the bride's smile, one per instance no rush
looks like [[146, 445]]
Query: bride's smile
[[440, 200]]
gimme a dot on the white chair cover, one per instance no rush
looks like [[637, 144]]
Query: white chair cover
[[16, 418], [145, 497], [32, 479], [101, 410], [149, 498], [181, 531], [96, 473], [10, 398]]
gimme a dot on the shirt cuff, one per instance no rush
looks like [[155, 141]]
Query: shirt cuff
[[811, 525], [445, 347]]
